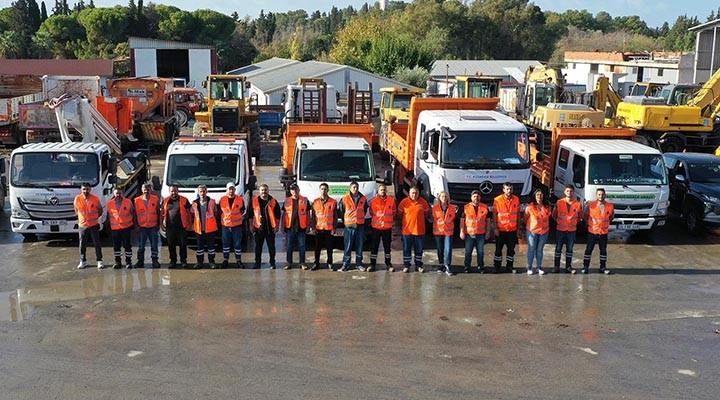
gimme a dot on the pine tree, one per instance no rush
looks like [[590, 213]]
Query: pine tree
[[43, 12], [33, 15]]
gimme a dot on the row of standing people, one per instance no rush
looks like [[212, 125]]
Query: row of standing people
[[298, 216]]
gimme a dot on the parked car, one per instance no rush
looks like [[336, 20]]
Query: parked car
[[695, 188]]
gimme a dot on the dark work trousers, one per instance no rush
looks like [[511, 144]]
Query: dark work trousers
[[260, 237], [177, 237], [377, 235], [205, 243], [601, 241], [567, 239], [323, 240], [508, 239], [92, 232], [121, 238]]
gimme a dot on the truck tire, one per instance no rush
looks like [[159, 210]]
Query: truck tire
[[182, 117], [157, 186], [672, 145], [254, 140], [398, 185]]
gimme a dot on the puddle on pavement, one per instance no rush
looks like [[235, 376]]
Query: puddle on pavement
[[18, 305]]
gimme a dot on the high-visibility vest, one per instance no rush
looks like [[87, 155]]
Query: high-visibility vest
[[324, 214], [302, 212], [147, 217], [120, 218], [567, 220], [354, 213], [413, 215], [538, 219], [382, 212], [507, 213], [444, 221], [184, 214], [599, 222], [210, 221], [88, 211], [474, 221], [231, 217], [258, 216]]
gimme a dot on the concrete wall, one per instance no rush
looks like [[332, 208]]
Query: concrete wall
[[200, 67], [145, 62]]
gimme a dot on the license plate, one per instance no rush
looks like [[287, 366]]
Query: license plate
[[629, 227], [55, 222]]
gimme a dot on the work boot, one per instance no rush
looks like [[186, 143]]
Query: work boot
[[556, 269], [140, 264], [510, 270], [287, 267], [344, 268], [361, 268], [448, 271], [585, 271], [118, 263], [389, 268], [128, 263], [183, 265], [239, 265], [371, 268], [224, 264], [569, 270], [303, 267], [272, 265], [315, 267], [605, 271], [213, 265], [82, 264], [172, 265], [199, 263], [100, 265], [481, 269], [406, 269], [156, 263], [420, 269], [256, 265]]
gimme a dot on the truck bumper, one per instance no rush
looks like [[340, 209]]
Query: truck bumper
[[637, 224], [26, 226]]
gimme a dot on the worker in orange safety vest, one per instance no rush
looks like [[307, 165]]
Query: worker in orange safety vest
[[506, 214], [323, 222], [206, 221], [598, 214], [567, 214], [147, 219], [474, 230], [88, 209], [120, 215], [295, 221]]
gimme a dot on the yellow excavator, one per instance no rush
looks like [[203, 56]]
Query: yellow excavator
[[671, 128]]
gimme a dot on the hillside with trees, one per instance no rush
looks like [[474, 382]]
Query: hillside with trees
[[400, 42]]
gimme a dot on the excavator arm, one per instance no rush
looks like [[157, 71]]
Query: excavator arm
[[605, 94], [708, 97]]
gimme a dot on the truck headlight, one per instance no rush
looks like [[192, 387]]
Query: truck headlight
[[710, 199], [662, 208], [20, 213]]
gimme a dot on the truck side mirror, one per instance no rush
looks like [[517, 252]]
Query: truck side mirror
[[248, 85], [539, 155], [204, 84], [388, 177], [112, 179], [112, 165], [424, 155], [680, 178], [3, 185], [424, 141], [252, 181]]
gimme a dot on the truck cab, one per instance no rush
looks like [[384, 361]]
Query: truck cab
[[46, 177], [394, 106], [633, 176]]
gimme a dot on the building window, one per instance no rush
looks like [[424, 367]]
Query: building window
[[660, 72]]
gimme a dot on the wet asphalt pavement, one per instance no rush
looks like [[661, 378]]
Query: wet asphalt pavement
[[650, 331]]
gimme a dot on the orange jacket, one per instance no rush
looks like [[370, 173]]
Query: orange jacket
[[324, 215], [210, 217], [231, 216], [567, 220], [444, 221], [88, 211], [599, 222], [120, 218], [185, 216], [302, 212], [537, 219], [474, 222], [507, 213], [382, 212], [147, 217], [413, 215], [258, 216], [354, 213]]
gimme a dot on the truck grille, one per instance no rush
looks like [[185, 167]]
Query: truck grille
[[226, 120], [460, 192], [42, 210]]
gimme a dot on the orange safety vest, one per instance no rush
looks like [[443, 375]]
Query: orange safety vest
[[210, 221], [324, 215], [147, 217], [444, 221], [474, 221], [257, 213], [354, 213], [382, 212], [122, 218], [507, 213], [184, 215], [302, 212], [567, 220], [538, 219], [413, 217], [598, 222], [88, 211], [231, 217]]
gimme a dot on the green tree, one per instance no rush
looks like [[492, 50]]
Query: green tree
[[10, 44], [105, 28], [60, 35], [43, 12], [181, 26], [417, 76]]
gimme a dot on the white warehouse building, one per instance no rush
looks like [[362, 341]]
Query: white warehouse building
[[268, 79]]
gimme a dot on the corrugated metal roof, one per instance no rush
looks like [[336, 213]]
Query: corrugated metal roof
[[706, 25], [56, 67], [272, 63], [147, 43], [498, 68], [270, 80]]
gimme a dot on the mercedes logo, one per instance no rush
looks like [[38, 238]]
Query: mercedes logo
[[486, 187], [53, 201]]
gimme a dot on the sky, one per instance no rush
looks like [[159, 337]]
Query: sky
[[653, 12]]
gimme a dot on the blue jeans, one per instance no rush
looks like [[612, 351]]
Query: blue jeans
[[232, 237], [410, 242], [567, 239], [536, 242], [353, 239], [478, 243], [145, 234], [291, 238], [444, 249]]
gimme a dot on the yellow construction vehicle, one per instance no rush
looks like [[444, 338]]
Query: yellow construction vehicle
[[477, 87], [228, 111], [674, 128], [394, 106]]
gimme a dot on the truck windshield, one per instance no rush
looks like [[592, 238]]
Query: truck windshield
[[226, 89], [704, 172], [484, 149], [482, 89], [402, 101], [336, 165], [45, 169], [191, 170], [627, 169]]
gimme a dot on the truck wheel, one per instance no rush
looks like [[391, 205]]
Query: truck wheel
[[397, 185], [157, 186], [182, 117], [693, 222], [29, 237], [255, 139], [672, 145]]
